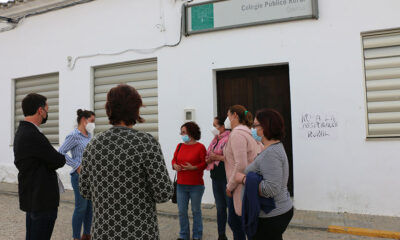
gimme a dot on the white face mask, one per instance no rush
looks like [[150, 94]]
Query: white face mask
[[90, 127], [214, 131], [227, 123]]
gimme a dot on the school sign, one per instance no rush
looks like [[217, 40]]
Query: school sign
[[220, 15]]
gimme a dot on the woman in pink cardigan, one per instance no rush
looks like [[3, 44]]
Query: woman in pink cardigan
[[239, 152]]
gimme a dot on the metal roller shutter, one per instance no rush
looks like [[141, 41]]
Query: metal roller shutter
[[382, 81], [140, 75], [46, 85]]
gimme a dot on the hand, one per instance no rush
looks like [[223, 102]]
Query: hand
[[177, 167], [215, 157], [78, 170], [208, 160], [188, 167], [228, 193]]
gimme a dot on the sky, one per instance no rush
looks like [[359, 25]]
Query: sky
[[3, 1]]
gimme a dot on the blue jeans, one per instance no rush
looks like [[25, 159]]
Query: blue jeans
[[221, 202], [83, 210], [194, 193], [40, 225], [235, 222]]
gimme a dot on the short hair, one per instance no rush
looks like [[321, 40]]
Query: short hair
[[83, 114], [123, 103], [193, 130], [220, 120], [245, 117], [32, 102], [272, 123]]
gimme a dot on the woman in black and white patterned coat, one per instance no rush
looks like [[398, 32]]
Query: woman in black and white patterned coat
[[124, 173]]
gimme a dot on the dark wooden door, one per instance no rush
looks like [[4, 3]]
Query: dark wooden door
[[257, 88]]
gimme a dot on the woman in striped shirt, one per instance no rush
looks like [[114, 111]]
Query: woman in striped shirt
[[76, 143]]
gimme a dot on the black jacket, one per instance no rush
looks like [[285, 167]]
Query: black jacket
[[37, 161]]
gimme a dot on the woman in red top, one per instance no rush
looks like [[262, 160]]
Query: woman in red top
[[189, 162]]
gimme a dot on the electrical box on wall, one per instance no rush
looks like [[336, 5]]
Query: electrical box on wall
[[189, 115]]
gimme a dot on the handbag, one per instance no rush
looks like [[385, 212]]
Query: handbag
[[173, 199]]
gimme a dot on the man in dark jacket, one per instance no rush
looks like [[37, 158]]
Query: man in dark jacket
[[37, 161]]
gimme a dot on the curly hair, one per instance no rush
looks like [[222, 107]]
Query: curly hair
[[193, 130], [123, 104]]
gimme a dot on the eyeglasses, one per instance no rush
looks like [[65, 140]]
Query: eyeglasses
[[256, 125]]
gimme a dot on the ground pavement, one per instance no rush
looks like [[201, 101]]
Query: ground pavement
[[305, 225]]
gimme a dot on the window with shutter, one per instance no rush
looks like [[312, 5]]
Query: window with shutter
[[140, 75], [382, 81], [46, 85]]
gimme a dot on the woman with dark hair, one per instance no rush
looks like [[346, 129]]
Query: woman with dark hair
[[272, 164], [239, 152], [124, 173], [215, 164], [76, 143], [189, 162]]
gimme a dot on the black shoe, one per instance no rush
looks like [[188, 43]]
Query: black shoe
[[180, 239], [222, 237], [196, 239]]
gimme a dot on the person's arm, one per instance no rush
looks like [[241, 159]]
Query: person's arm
[[202, 165], [239, 149], [209, 152], [44, 151], [86, 169], [174, 162], [69, 143], [272, 172], [221, 145], [216, 157], [157, 175]]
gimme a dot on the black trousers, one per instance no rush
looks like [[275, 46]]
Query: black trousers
[[39, 225], [272, 228], [235, 222]]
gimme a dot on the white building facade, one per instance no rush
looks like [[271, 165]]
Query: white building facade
[[341, 75]]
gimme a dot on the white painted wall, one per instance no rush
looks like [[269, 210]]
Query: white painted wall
[[346, 173]]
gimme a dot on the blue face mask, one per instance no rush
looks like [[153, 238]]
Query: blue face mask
[[255, 135], [185, 138]]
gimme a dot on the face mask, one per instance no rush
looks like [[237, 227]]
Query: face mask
[[227, 123], [255, 135], [214, 131], [90, 127], [185, 138], [44, 120]]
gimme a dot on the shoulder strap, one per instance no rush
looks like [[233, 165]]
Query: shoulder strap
[[179, 147], [177, 152]]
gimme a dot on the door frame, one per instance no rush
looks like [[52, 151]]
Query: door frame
[[214, 81], [238, 67]]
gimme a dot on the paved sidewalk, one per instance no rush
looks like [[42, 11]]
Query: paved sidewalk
[[307, 220]]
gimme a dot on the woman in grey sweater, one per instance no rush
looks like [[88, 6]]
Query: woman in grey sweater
[[272, 165]]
